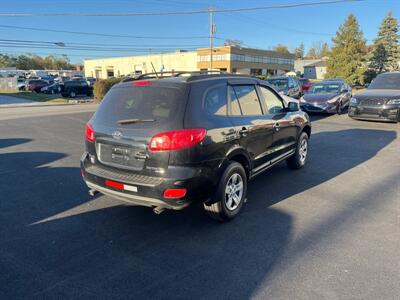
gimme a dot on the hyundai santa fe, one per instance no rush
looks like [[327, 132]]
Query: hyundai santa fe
[[167, 142]]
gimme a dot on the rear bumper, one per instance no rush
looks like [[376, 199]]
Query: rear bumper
[[386, 113], [148, 191]]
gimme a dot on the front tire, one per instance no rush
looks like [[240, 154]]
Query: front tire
[[299, 158], [230, 195], [339, 109]]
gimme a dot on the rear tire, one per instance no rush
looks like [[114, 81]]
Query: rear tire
[[299, 158], [230, 195], [72, 94]]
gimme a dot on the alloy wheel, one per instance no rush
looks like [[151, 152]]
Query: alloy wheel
[[234, 191], [303, 150]]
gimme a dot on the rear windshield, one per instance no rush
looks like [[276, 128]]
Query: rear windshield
[[160, 104], [279, 83], [386, 81]]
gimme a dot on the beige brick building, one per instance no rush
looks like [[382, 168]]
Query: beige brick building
[[227, 58]]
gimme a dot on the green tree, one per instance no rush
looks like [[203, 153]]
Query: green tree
[[378, 59], [325, 50], [299, 51], [347, 58], [386, 54], [281, 48]]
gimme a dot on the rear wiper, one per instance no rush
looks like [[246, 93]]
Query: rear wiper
[[132, 121]]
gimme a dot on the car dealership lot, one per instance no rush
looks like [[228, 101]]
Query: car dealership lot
[[328, 231]]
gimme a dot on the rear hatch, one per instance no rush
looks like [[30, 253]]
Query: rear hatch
[[129, 116]]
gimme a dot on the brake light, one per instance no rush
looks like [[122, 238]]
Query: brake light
[[89, 133], [177, 139], [174, 193], [142, 83]]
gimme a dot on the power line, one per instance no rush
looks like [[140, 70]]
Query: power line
[[105, 34], [101, 44], [142, 50], [175, 13]]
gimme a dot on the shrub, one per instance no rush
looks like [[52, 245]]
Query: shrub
[[102, 86]]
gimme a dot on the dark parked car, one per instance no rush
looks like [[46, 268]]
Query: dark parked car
[[289, 86], [54, 88], [305, 84], [381, 101], [73, 88], [329, 96], [36, 85], [91, 80], [166, 143]]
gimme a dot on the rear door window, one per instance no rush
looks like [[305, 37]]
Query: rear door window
[[215, 101], [160, 104], [248, 100]]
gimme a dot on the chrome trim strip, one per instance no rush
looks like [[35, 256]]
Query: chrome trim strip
[[272, 162], [278, 148]]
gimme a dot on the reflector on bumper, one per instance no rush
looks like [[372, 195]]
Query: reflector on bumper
[[120, 186]]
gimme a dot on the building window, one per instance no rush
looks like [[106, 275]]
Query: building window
[[110, 73]]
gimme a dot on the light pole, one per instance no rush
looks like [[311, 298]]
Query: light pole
[[212, 31]]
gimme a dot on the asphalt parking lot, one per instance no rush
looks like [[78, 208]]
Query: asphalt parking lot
[[329, 231]]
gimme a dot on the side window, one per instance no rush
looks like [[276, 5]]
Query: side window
[[291, 83], [215, 101], [273, 103], [235, 108], [248, 100]]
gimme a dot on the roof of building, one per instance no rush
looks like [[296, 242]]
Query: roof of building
[[320, 63]]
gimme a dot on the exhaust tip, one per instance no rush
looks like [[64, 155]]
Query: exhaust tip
[[92, 192], [158, 210]]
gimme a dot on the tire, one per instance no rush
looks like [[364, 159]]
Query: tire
[[299, 158], [72, 94], [339, 109], [228, 206]]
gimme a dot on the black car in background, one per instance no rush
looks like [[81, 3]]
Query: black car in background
[[329, 96], [288, 86], [170, 141], [380, 101], [73, 88]]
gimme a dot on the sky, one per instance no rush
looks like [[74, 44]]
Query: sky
[[259, 29]]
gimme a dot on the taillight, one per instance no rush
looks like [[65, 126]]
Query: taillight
[[89, 133], [174, 193], [177, 139]]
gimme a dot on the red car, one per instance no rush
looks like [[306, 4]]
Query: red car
[[35, 85], [305, 84]]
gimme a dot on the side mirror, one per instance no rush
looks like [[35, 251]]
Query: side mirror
[[293, 106]]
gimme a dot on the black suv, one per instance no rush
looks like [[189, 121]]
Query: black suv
[[167, 142], [73, 88]]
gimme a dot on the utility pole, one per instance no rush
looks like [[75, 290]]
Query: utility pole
[[212, 31]]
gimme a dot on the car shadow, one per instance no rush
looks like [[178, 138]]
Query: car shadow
[[5, 143], [57, 242]]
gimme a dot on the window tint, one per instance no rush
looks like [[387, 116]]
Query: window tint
[[248, 100], [235, 108], [273, 103], [215, 101]]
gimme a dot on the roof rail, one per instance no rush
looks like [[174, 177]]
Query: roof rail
[[171, 74]]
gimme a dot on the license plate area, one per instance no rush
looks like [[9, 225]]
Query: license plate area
[[119, 156]]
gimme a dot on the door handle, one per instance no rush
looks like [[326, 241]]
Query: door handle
[[243, 131], [277, 126]]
